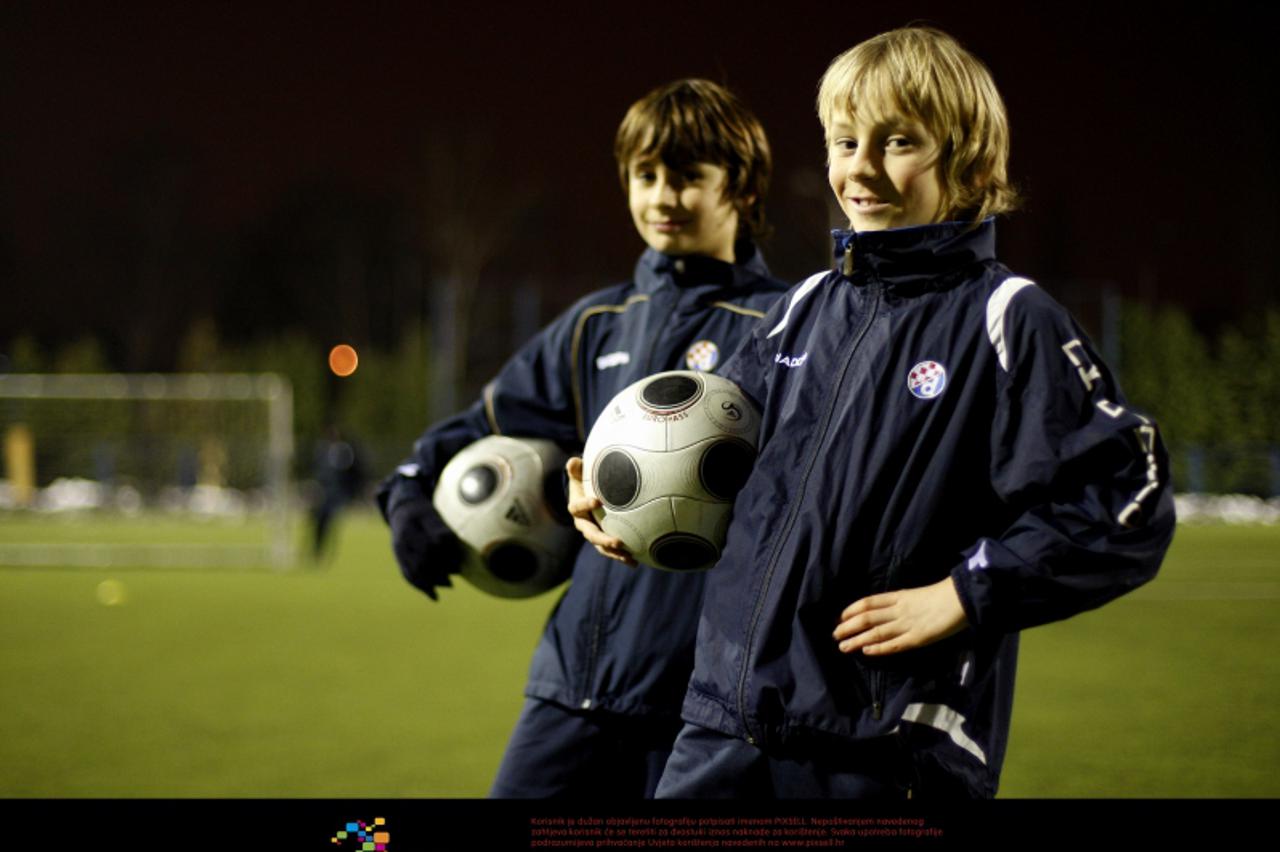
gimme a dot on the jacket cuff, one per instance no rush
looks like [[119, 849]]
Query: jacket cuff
[[973, 586], [401, 486]]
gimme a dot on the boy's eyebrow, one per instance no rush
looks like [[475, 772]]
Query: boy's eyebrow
[[651, 161], [644, 164], [651, 158], [891, 121]]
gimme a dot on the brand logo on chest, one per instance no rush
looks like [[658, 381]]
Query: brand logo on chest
[[613, 359], [791, 361]]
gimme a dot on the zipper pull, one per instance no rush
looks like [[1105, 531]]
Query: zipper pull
[[846, 265], [877, 710]]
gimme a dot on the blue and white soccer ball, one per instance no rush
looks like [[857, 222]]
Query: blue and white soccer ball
[[500, 496], [666, 457]]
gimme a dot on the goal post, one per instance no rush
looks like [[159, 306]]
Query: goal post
[[146, 470]]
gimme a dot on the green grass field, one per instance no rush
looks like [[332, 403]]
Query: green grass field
[[347, 683]]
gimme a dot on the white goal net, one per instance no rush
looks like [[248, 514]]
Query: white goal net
[[146, 470]]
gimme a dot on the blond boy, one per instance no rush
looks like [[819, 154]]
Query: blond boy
[[945, 461]]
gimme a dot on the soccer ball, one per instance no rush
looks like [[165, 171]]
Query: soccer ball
[[666, 458], [500, 496]]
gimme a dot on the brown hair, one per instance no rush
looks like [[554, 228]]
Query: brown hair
[[697, 121], [925, 74]]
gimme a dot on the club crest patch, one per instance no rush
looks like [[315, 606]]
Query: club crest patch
[[927, 379], [702, 356]]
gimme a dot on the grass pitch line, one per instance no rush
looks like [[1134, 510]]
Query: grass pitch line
[[165, 556]]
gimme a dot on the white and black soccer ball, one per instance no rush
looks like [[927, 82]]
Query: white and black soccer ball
[[497, 496], [666, 457]]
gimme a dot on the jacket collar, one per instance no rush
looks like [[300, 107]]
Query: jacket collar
[[918, 257], [655, 269]]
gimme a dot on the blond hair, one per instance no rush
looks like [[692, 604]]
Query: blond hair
[[924, 74], [697, 121]]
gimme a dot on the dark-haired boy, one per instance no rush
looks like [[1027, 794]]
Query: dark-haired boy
[[607, 678]]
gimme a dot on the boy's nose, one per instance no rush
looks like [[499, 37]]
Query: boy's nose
[[665, 192], [863, 164]]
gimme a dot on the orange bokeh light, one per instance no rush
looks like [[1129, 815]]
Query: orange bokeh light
[[343, 360]]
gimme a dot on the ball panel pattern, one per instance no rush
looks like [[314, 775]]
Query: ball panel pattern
[[512, 562], [670, 391], [616, 479], [724, 468], [663, 474], [729, 410], [630, 525], [679, 551], [478, 484]]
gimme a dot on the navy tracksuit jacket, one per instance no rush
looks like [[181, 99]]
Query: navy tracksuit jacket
[[621, 639], [925, 414]]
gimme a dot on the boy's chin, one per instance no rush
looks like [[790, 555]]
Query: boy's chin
[[859, 221], [681, 248], [893, 220]]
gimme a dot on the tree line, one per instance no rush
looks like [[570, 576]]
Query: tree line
[[1214, 394]]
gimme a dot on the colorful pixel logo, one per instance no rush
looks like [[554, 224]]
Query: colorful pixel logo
[[366, 838]]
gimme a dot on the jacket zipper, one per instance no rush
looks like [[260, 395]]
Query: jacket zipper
[[597, 631], [597, 620], [650, 367], [847, 269], [877, 676]]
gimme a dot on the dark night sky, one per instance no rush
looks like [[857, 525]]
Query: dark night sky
[[135, 133]]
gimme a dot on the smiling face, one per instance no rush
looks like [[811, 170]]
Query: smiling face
[[681, 211], [884, 171]]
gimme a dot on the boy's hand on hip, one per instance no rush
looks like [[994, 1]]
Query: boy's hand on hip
[[902, 620], [581, 506]]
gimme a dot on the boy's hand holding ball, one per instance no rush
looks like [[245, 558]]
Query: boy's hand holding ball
[[581, 507]]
